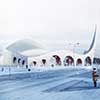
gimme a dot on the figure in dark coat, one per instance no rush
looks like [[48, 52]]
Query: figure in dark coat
[[95, 76]]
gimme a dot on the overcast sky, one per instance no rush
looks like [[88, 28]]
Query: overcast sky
[[46, 20]]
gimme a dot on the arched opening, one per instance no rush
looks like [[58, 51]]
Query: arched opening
[[43, 61], [88, 61], [55, 60], [34, 63], [68, 61], [23, 62], [19, 60], [14, 60], [79, 62]]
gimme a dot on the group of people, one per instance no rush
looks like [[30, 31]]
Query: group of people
[[95, 76]]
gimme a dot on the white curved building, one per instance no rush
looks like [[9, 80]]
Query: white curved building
[[27, 52]]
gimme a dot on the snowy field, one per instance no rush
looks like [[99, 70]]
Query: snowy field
[[58, 84]]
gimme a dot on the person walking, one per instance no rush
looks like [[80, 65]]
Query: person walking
[[95, 76]]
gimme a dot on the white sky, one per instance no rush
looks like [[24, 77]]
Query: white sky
[[46, 20]]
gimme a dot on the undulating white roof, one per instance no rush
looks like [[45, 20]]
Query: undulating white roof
[[24, 45]]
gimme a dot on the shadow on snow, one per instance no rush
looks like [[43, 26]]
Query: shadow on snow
[[74, 85]]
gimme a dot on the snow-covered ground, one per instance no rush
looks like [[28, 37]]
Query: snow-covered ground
[[48, 84]]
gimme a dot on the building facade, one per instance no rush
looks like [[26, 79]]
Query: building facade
[[26, 52]]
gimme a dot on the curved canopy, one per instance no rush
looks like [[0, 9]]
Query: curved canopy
[[23, 45]]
